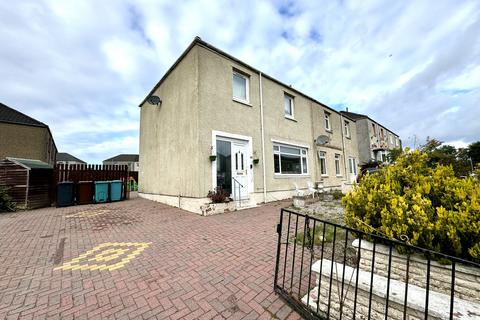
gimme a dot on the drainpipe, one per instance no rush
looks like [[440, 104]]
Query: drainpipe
[[342, 123], [263, 141]]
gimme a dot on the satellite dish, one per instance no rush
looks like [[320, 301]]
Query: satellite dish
[[321, 140], [154, 100]]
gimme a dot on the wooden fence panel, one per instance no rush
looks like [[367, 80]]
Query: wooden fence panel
[[76, 173]]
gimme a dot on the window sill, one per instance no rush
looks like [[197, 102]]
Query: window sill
[[324, 175], [339, 176], [290, 176], [246, 103], [291, 118]]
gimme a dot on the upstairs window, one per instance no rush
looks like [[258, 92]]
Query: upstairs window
[[347, 129], [391, 138], [240, 87], [290, 159], [373, 129], [288, 105], [327, 121]]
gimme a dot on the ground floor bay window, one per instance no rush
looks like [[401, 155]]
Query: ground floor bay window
[[290, 160]]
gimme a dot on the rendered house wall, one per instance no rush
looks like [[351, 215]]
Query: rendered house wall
[[169, 149]]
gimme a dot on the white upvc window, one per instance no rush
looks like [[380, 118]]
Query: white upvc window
[[397, 142], [338, 171], [347, 129], [288, 106], [240, 87], [327, 121], [290, 160], [391, 138], [322, 156], [352, 166]]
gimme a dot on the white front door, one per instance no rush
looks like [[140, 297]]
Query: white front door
[[352, 169], [240, 165]]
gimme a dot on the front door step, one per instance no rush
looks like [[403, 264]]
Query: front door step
[[245, 204]]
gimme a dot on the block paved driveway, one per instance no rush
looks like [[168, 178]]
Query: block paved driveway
[[154, 261]]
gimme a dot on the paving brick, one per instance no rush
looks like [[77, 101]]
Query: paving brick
[[194, 267]]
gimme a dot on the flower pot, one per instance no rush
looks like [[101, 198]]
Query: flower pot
[[213, 158]]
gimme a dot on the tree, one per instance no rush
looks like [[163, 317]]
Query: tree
[[394, 154], [474, 152], [447, 155]]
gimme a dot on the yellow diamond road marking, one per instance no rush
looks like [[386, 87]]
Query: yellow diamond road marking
[[99, 257], [88, 213]]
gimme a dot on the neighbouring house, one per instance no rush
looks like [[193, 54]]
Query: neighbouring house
[[67, 159], [219, 122], [130, 160], [24, 137], [374, 140]]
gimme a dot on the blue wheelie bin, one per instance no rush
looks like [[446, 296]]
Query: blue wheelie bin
[[116, 190]]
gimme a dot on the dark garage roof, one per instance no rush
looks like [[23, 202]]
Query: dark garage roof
[[124, 157], [64, 156]]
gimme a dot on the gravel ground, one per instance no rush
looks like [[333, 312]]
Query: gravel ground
[[332, 211], [326, 210]]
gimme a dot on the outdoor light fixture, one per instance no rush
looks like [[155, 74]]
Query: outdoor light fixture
[[154, 100]]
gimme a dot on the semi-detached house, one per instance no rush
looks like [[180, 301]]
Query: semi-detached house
[[223, 123]]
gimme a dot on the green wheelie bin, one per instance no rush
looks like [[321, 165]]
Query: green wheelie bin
[[65, 194]]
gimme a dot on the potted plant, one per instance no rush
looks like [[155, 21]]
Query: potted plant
[[213, 157], [256, 161], [220, 202]]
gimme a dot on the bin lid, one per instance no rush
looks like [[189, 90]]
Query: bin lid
[[82, 182], [102, 182], [116, 181], [65, 182]]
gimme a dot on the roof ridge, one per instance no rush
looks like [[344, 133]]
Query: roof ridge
[[35, 121]]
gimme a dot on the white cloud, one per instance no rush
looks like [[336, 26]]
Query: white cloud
[[83, 67]]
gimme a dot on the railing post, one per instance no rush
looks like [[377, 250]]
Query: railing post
[[277, 261]]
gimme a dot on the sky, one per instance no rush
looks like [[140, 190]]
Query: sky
[[82, 67]]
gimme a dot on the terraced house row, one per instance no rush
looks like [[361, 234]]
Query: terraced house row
[[214, 121]]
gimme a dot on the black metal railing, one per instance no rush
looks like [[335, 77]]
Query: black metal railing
[[237, 191], [328, 271]]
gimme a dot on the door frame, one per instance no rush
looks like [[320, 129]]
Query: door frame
[[231, 136]]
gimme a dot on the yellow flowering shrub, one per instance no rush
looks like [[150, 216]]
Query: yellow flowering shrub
[[427, 207]]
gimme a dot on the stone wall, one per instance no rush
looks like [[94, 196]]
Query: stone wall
[[373, 296], [337, 311], [467, 279]]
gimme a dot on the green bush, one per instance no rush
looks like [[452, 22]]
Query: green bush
[[337, 194], [429, 207], [6, 203]]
